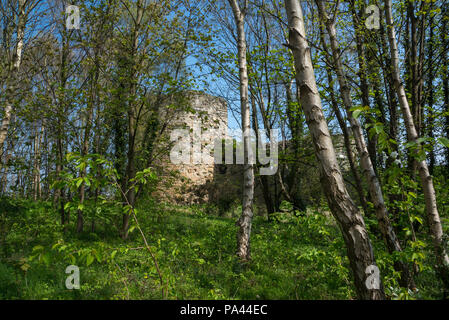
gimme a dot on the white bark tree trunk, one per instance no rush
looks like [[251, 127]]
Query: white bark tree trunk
[[433, 217], [346, 213], [245, 221], [375, 190], [14, 67], [37, 161]]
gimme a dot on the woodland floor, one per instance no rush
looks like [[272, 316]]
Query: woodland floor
[[293, 257]]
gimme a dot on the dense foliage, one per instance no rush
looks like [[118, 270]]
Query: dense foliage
[[298, 256], [362, 111]]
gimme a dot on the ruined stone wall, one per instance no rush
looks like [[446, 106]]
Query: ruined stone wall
[[201, 180], [206, 119]]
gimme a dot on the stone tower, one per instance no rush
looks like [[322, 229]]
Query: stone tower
[[204, 119]]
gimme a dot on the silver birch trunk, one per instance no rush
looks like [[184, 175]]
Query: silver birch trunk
[[375, 190], [433, 217], [346, 213], [245, 221], [14, 67]]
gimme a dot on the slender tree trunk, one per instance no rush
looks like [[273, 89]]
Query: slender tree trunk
[[430, 97], [364, 84], [264, 182], [132, 121], [245, 221], [433, 217], [374, 187], [445, 80], [9, 152], [60, 194], [388, 80], [350, 220], [98, 131], [391, 101], [14, 66], [348, 144], [37, 162], [61, 118], [412, 76], [84, 152], [344, 129], [85, 147], [295, 122]]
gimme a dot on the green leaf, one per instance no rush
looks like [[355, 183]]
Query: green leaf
[[98, 256], [444, 141], [38, 248], [82, 166], [46, 258], [89, 259], [378, 127], [78, 182], [421, 140], [416, 218], [356, 113], [410, 144]]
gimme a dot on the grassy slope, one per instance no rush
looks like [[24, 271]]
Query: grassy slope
[[300, 258]]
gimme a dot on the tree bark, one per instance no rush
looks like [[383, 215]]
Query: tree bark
[[93, 91], [433, 217], [375, 190], [364, 85], [245, 221], [12, 72], [342, 123], [61, 118], [430, 97], [37, 162], [84, 152], [445, 80], [132, 120], [295, 122], [9, 153], [346, 213], [266, 192]]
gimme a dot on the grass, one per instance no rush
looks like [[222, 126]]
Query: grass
[[292, 258]]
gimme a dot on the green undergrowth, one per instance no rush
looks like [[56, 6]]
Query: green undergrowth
[[298, 256]]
